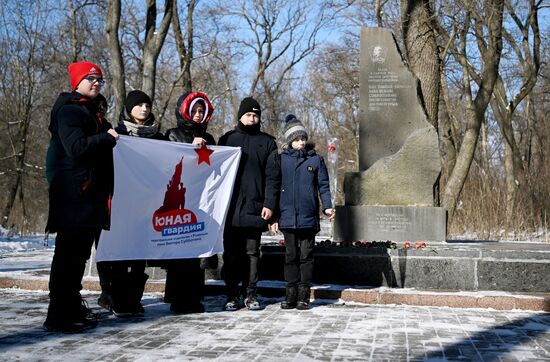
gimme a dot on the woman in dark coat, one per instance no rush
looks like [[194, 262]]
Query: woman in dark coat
[[123, 282], [184, 277], [79, 166]]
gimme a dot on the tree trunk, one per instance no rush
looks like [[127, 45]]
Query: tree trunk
[[534, 159], [154, 39], [491, 51], [117, 63], [185, 52], [19, 159], [447, 144], [422, 52], [74, 39], [11, 200]]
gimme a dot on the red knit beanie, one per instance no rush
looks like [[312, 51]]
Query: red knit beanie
[[79, 70]]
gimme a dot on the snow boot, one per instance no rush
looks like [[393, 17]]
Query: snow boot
[[290, 299], [303, 298]]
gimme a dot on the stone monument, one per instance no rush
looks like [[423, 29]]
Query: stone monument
[[392, 197]]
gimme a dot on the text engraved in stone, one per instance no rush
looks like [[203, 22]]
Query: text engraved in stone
[[390, 222], [382, 86]]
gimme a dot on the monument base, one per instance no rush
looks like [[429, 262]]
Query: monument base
[[395, 223]]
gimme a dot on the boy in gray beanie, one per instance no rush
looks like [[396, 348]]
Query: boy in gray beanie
[[304, 178]]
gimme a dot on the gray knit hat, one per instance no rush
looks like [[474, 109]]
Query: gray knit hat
[[294, 129]]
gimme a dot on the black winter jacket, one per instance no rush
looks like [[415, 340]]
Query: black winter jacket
[[80, 162], [186, 135], [258, 179]]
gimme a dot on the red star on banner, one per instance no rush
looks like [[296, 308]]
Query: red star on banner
[[204, 154]]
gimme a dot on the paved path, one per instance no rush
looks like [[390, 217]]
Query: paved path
[[329, 331]]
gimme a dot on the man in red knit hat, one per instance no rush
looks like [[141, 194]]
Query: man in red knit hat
[[79, 165]]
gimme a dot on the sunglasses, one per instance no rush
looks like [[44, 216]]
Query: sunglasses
[[92, 80]]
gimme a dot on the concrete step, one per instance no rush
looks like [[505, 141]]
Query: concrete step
[[476, 266], [456, 266], [350, 294]]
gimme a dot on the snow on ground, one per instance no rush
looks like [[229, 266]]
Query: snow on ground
[[23, 253]]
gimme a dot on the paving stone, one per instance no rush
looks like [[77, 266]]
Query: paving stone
[[330, 331]]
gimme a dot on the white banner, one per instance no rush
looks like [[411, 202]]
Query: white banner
[[170, 200]]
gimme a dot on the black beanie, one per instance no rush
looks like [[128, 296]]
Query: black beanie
[[134, 98], [293, 129], [249, 104]]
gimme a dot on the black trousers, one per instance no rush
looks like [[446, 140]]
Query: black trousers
[[184, 282], [299, 257], [240, 260], [109, 270], [72, 250]]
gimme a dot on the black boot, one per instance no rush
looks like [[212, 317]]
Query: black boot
[[104, 272], [303, 298], [138, 287], [69, 316], [290, 299], [122, 294]]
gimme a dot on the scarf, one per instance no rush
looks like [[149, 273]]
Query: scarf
[[146, 130]]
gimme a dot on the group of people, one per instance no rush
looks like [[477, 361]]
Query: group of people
[[271, 188]]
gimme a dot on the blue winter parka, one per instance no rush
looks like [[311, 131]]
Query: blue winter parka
[[304, 178]]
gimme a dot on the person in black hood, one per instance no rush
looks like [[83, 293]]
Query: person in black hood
[[253, 203], [79, 167], [123, 282], [184, 287]]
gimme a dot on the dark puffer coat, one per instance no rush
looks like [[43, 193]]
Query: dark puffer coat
[[304, 179], [80, 163], [258, 179]]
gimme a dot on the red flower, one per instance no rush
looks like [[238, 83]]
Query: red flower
[[281, 241], [331, 148], [407, 244], [346, 243]]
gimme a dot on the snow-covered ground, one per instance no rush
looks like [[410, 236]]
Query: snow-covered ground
[[331, 330], [20, 254]]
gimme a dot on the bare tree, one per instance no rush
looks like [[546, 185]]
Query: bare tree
[[282, 34], [185, 50], [76, 14], [485, 21], [117, 63], [154, 39], [527, 52], [379, 11], [21, 72]]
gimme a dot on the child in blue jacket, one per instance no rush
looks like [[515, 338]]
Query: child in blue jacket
[[304, 179]]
